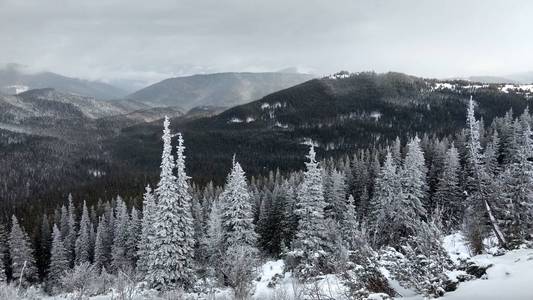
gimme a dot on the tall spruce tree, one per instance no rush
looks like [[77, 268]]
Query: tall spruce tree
[[479, 205], [134, 232], [119, 250], [83, 242], [215, 235], [448, 194], [71, 235], [147, 231], [59, 262], [21, 253], [101, 250], [3, 256], [169, 265], [311, 238], [237, 218], [391, 217], [413, 178]]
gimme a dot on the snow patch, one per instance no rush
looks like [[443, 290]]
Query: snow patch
[[16, 89], [445, 85], [510, 277], [455, 245], [235, 120], [376, 115]]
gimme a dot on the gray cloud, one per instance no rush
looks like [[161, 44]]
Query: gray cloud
[[151, 40]]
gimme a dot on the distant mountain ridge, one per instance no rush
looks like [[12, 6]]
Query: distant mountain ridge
[[219, 89], [14, 79]]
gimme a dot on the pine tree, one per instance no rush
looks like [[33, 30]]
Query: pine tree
[[491, 156], [520, 187], [101, 251], [21, 254], [337, 198], [478, 202], [396, 152], [120, 260], [3, 250], [147, 232], [311, 241], [71, 235], [185, 222], [45, 237], [350, 227], [448, 194], [391, 216], [170, 264], [215, 234], [83, 242], [134, 232], [59, 262], [413, 177], [237, 219]]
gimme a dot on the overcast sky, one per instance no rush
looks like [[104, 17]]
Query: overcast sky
[[149, 40]]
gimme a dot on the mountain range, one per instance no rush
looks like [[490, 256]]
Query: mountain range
[[220, 89], [15, 79]]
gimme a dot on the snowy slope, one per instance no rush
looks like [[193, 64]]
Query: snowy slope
[[510, 277]]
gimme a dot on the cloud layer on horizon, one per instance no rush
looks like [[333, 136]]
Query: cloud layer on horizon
[[150, 40]]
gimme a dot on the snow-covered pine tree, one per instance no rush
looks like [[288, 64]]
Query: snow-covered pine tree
[[120, 260], [520, 187], [396, 151], [101, 250], [147, 234], [71, 235], [337, 195], [237, 219], [83, 242], [200, 249], [270, 224], [22, 261], [215, 235], [491, 156], [238, 232], [134, 232], [448, 193], [351, 234], [59, 262], [45, 238], [478, 203], [413, 178], [63, 223], [391, 218], [3, 250], [311, 242], [169, 265], [185, 222]]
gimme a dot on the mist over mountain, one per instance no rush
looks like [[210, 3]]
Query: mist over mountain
[[15, 79], [220, 89], [524, 77], [492, 79]]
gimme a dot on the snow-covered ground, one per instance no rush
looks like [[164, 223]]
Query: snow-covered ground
[[510, 277], [456, 247]]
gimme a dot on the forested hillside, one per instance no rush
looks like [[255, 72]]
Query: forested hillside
[[371, 222], [99, 158]]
